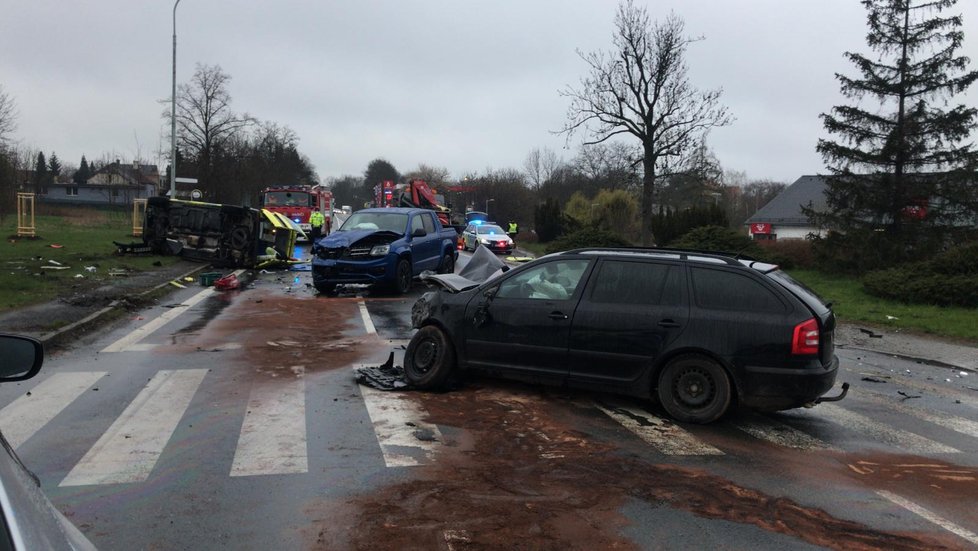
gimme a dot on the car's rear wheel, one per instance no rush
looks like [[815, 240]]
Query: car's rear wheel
[[429, 359], [402, 276], [694, 389]]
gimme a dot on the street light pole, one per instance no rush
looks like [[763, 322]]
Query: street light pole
[[173, 112], [487, 205]]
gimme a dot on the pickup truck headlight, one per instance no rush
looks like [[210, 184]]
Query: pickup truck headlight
[[380, 250]]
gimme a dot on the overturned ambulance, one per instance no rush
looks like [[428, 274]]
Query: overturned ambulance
[[222, 235]]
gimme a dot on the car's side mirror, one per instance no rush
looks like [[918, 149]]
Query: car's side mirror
[[418, 232], [22, 357]]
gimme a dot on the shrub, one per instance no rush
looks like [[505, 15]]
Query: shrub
[[949, 279], [716, 238], [549, 221], [789, 253], [587, 237]]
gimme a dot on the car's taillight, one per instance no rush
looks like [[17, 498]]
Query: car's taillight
[[805, 340]]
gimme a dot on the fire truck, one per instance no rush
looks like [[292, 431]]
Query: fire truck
[[297, 203]]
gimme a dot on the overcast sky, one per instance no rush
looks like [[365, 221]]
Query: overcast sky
[[465, 85]]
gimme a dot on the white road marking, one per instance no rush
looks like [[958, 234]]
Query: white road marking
[[368, 324], [273, 435], [957, 424], [26, 415], [905, 440], [782, 435], [145, 330], [405, 439], [128, 451], [930, 516], [665, 436]]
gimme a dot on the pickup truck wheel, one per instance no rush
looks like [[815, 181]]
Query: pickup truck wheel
[[402, 276], [694, 389], [429, 359], [448, 263]]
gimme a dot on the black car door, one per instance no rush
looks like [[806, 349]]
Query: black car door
[[629, 312], [524, 327]]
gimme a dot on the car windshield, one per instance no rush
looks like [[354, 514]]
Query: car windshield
[[287, 199], [489, 230], [376, 221]]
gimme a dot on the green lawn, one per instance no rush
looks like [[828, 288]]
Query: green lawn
[[852, 304], [85, 236]]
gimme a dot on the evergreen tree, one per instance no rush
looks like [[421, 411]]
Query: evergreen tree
[[83, 173], [54, 166], [40, 173], [901, 168]]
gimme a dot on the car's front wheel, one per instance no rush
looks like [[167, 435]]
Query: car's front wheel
[[429, 359], [402, 276], [694, 389]]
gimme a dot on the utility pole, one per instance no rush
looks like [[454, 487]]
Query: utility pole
[[173, 112]]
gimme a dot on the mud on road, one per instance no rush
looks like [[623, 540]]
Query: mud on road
[[520, 468]]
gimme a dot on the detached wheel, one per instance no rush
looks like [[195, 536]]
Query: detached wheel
[[448, 264], [694, 389], [429, 359], [402, 276]]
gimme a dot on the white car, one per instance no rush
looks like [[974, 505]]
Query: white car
[[487, 235]]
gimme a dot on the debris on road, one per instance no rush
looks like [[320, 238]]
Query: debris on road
[[227, 283], [386, 376], [871, 334], [873, 380], [907, 396]]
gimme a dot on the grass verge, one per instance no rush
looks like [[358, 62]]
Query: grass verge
[[853, 304], [72, 249]]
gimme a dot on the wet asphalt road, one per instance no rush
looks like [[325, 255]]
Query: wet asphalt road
[[237, 424]]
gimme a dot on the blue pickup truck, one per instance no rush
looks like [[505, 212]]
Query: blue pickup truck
[[383, 246]]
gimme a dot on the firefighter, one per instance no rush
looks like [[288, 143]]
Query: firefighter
[[316, 221]]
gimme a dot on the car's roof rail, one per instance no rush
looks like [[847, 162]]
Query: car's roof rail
[[684, 254]]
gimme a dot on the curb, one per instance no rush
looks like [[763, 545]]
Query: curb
[[926, 361], [48, 338]]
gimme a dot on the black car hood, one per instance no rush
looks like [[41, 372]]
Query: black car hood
[[482, 267]]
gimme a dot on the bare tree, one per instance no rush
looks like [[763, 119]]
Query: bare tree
[[205, 121], [434, 175], [540, 165], [613, 164], [641, 88], [8, 116]]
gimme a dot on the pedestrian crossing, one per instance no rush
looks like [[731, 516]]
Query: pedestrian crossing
[[273, 435]]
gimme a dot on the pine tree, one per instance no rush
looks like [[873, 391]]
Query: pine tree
[[901, 168], [40, 173], [83, 173], [54, 166]]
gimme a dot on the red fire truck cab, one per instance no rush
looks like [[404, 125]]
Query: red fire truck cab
[[297, 203]]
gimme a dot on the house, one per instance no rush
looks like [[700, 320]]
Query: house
[[782, 217], [114, 184]]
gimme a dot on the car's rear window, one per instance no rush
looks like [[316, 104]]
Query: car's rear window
[[800, 290]]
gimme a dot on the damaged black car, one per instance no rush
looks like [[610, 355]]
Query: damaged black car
[[700, 331]]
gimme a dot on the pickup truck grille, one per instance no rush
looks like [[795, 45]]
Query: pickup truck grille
[[331, 254], [358, 251]]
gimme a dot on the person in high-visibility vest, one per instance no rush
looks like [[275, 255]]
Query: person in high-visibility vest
[[513, 229], [316, 221]]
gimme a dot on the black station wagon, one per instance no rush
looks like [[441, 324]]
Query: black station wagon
[[699, 330]]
